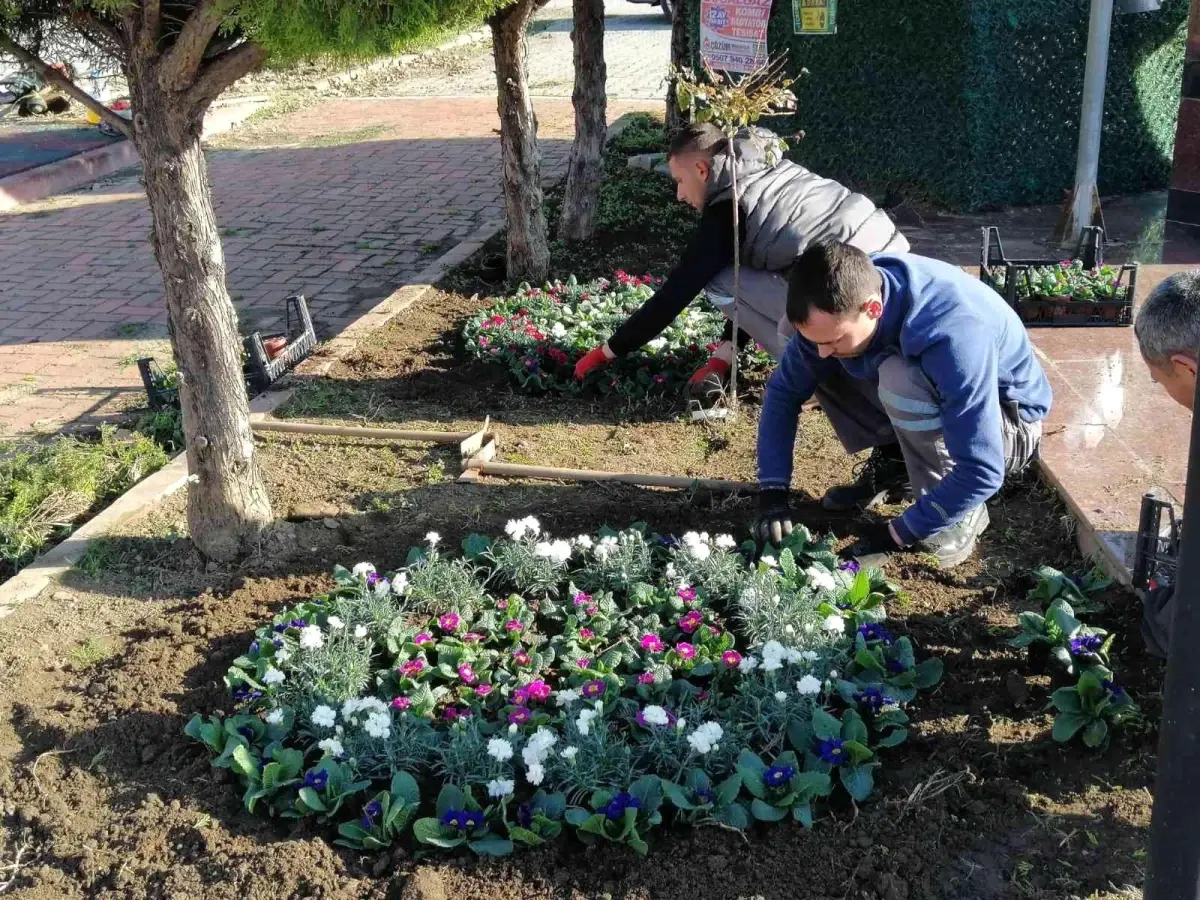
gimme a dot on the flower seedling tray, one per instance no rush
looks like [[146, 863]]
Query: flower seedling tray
[[258, 368], [1021, 282], [1156, 553]]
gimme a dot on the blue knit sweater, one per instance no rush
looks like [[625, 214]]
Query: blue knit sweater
[[968, 342]]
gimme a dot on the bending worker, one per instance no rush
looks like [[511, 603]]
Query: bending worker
[[784, 209], [924, 365]]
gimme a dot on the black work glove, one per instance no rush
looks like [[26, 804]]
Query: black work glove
[[774, 516], [874, 540]]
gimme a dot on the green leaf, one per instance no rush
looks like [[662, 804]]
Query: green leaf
[[429, 831], [734, 815], [868, 660], [929, 673], [637, 844], [802, 813], [353, 831], [525, 836], [1067, 725], [553, 805], [594, 824], [860, 589], [811, 784], [649, 792], [727, 791], [800, 733], [342, 575], [476, 545], [765, 812], [676, 795], [750, 769], [450, 798], [492, 846], [825, 726], [1060, 613], [1066, 699], [893, 738], [858, 781], [244, 762], [853, 727], [577, 817], [1096, 733]]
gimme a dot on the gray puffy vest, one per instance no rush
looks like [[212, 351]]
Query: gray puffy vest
[[786, 209]]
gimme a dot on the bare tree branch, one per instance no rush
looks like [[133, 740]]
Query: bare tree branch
[[222, 71], [184, 58], [55, 77], [151, 23]]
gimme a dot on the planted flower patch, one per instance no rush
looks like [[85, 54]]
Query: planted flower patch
[[1065, 293], [539, 334], [605, 685]]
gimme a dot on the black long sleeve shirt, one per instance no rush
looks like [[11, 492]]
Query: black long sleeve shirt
[[710, 251]]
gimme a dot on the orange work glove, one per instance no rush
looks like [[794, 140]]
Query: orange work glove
[[596, 358], [714, 366]]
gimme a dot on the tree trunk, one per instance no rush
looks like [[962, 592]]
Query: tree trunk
[[679, 58], [528, 244], [228, 505], [585, 172]]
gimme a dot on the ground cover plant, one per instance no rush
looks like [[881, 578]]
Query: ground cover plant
[[604, 685], [538, 334], [46, 489]]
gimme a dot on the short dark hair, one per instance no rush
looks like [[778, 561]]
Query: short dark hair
[[833, 277], [696, 137]]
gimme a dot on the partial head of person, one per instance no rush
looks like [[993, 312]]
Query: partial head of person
[[835, 298], [1168, 333], [690, 159]]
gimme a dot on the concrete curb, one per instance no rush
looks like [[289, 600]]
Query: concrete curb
[[84, 168], [34, 578]]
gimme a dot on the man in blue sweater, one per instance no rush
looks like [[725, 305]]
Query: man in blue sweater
[[923, 364]]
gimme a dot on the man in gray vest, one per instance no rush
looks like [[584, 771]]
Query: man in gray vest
[[784, 208], [1168, 334]]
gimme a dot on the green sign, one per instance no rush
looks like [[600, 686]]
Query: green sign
[[815, 16]]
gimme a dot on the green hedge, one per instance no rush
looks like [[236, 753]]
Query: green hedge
[[975, 103]]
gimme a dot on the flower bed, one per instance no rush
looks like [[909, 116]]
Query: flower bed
[[540, 333], [605, 684]]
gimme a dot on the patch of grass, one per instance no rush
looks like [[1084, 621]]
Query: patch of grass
[[89, 653], [164, 427], [100, 556], [342, 138], [436, 473], [133, 329], [336, 399], [363, 245], [234, 232], [46, 490]]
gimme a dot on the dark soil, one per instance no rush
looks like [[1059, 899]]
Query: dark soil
[[103, 795]]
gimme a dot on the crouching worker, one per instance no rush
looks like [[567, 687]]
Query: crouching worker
[[783, 208], [1168, 334], [920, 363]]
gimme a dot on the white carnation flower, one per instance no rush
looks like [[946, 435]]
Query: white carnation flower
[[704, 739], [700, 552], [282, 655], [725, 542], [362, 570], [332, 746], [335, 623], [378, 725], [432, 539], [311, 637], [655, 715], [499, 788], [569, 753], [808, 685], [500, 750], [273, 676], [535, 773], [820, 579], [360, 631], [400, 583], [781, 696], [769, 561], [274, 717], [559, 330], [566, 697], [748, 664], [835, 624], [810, 655], [584, 541]]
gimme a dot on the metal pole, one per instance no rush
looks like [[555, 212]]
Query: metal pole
[[1095, 72], [1174, 848]]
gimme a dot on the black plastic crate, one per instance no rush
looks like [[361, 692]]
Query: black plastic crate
[[1004, 275], [259, 370], [1156, 553]]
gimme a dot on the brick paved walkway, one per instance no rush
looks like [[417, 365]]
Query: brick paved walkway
[[365, 195]]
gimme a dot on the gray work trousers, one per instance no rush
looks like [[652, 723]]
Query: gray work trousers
[[762, 307], [904, 407]]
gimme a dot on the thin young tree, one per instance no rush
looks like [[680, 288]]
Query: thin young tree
[[732, 103], [178, 56], [581, 202]]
